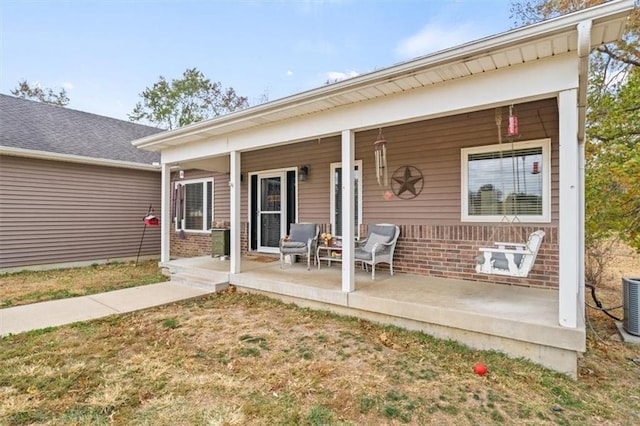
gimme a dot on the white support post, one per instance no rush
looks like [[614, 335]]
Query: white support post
[[165, 213], [581, 222], [234, 189], [569, 235], [584, 51], [348, 211]]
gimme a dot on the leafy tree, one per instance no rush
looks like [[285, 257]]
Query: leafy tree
[[626, 51], [48, 96], [176, 103], [612, 170]]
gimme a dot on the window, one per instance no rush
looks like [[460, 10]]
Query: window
[[336, 197], [195, 202], [507, 182]]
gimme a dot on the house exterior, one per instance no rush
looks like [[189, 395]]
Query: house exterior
[[73, 191], [462, 173]]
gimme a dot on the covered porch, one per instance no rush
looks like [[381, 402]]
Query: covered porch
[[442, 114], [520, 321]]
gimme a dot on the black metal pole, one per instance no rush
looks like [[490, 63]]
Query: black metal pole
[[140, 247], [143, 229]]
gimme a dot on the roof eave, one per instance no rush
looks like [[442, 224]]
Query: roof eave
[[606, 12], [69, 158]]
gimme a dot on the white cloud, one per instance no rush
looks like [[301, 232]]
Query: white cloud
[[289, 73], [337, 75], [67, 85], [434, 37]]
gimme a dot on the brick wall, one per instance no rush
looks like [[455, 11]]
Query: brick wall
[[199, 244], [191, 245], [446, 251], [449, 251]]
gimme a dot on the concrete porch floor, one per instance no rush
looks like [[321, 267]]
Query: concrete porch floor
[[519, 321]]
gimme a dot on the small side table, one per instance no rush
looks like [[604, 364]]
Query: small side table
[[324, 252]]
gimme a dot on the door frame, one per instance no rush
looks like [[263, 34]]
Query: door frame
[[282, 173]]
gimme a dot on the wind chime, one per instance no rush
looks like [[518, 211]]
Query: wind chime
[[512, 127], [380, 151]]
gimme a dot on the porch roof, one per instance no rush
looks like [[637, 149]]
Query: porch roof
[[527, 44]]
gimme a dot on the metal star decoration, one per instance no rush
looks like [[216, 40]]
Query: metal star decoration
[[407, 180]]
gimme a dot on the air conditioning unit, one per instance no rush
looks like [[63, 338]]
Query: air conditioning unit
[[631, 304]]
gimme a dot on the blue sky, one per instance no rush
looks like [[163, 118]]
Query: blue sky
[[105, 53]]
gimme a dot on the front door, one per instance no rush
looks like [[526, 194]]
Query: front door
[[271, 202]]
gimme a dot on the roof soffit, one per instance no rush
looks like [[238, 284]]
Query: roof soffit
[[532, 43]]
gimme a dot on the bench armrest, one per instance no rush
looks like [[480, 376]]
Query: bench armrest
[[509, 244]]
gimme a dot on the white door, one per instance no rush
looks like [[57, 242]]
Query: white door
[[271, 214]]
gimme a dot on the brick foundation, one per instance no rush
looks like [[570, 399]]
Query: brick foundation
[[446, 251], [449, 251], [199, 244]]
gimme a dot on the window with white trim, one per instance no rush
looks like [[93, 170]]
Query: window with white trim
[[194, 204], [507, 182], [336, 197]]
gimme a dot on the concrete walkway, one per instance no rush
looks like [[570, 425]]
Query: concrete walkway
[[53, 313]]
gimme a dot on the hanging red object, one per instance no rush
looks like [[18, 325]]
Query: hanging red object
[[151, 220], [536, 168], [512, 128]]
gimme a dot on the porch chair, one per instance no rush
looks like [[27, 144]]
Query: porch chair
[[378, 247], [512, 259], [303, 239]]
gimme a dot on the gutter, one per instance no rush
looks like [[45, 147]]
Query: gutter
[[70, 158]]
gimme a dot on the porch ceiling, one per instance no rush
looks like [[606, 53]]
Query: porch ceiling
[[532, 43]]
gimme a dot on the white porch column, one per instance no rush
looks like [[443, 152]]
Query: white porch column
[[569, 235], [348, 211], [584, 51], [581, 231], [234, 189], [165, 213]]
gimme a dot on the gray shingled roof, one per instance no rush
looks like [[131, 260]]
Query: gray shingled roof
[[37, 126]]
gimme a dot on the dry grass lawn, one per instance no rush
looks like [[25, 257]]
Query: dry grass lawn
[[26, 287], [238, 359]]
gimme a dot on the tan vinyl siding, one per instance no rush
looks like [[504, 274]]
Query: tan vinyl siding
[[55, 212], [433, 240], [313, 194], [199, 243], [432, 146], [221, 193]]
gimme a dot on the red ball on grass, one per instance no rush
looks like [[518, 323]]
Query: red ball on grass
[[480, 369]]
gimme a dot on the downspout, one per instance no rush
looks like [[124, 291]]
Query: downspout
[[584, 51]]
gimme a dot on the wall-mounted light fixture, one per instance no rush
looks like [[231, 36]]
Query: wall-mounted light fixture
[[303, 173], [181, 174]]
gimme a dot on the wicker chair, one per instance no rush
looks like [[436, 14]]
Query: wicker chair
[[302, 240], [378, 247]]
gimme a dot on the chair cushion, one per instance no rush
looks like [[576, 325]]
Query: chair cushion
[[302, 232], [374, 239], [500, 260], [360, 254], [386, 230], [293, 244]]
